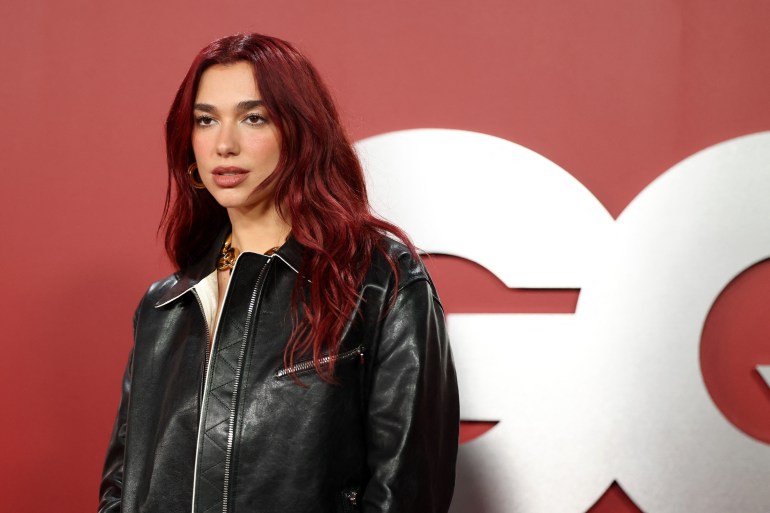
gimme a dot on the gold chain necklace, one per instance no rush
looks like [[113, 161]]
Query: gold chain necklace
[[229, 254]]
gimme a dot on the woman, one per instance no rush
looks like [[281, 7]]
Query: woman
[[298, 360]]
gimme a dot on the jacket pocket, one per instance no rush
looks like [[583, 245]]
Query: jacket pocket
[[307, 366], [349, 500]]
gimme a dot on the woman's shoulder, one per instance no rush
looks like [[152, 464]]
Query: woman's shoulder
[[396, 263]]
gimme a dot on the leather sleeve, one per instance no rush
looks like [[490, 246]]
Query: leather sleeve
[[111, 489], [413, 409]]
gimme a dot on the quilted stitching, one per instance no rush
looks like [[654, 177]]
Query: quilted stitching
[[219, 394]]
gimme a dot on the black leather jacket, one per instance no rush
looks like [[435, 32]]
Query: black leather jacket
[[383, 438]]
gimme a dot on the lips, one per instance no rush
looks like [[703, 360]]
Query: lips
[[228, 177]]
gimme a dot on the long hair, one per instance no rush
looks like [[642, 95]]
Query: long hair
[[319, 187]]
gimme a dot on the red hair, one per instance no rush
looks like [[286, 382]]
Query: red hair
[[319, 186]]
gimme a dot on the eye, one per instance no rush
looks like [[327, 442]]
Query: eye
[[255, 119], [204, 120]]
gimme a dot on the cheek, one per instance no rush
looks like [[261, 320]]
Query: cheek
[[199, 144], [265, 151]]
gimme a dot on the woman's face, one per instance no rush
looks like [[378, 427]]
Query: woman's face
[[236, 146]]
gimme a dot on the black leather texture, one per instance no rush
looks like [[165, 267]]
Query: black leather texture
[[382, 438]]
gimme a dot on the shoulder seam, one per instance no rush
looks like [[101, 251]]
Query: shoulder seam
[[425, 279], [415, 279]]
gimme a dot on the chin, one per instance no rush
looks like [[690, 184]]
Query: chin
[[227, 196], [231, 203], [233, 199]]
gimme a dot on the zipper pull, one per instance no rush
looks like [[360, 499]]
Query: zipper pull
[[361, 356], [352, 496]]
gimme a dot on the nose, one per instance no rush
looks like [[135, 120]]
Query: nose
[[227, 141]]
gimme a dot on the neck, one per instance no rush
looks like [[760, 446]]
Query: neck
[[258, 229]]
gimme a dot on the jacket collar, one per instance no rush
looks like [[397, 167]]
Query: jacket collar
[[290, 254]]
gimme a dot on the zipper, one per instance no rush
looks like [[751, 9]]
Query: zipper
[[206, 351], [238, 370], [308, 364], [205, 322], [206, 373]]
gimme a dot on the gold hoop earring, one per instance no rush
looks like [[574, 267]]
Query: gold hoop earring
[[190, 170]]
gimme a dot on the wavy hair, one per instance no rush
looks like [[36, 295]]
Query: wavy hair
[[319, 186]]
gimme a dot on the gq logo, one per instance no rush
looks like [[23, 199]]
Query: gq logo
[[613, 392]]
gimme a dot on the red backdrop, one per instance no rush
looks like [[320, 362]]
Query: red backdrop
[[615, 91]]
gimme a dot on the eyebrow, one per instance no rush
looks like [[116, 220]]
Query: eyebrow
[[240, 107]]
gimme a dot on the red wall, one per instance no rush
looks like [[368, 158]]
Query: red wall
[[615, 91]]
